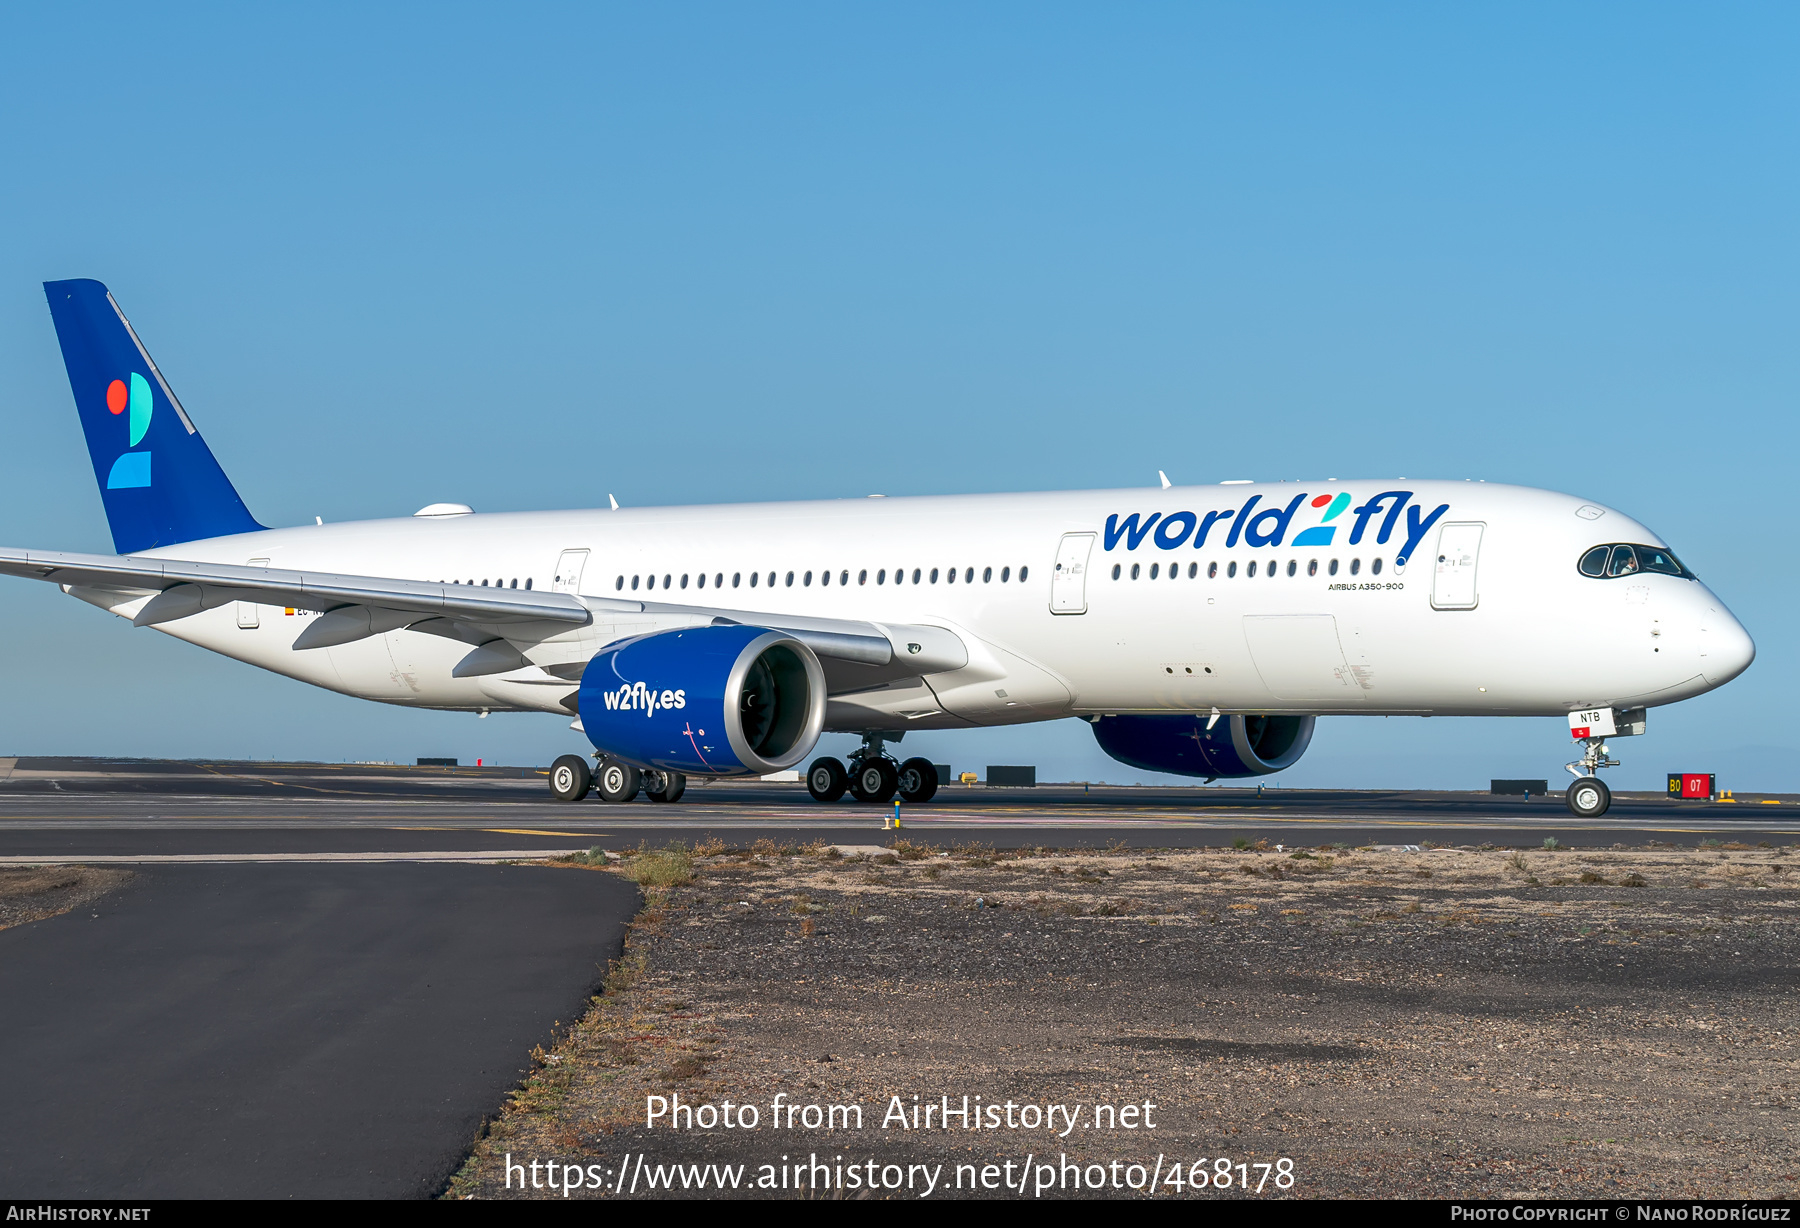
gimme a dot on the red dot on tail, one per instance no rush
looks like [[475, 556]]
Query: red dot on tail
[[1321, 501], [117, 395]]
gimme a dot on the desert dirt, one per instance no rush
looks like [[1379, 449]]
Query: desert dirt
[[36, 893], [1444, 1023]]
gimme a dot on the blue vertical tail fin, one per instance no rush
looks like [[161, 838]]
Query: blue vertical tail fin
[[158, 479]]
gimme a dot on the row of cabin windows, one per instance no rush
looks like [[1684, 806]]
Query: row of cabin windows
[[484, 583], [918, 575], [1231, 569]]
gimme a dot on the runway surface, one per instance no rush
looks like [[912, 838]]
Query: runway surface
[[91, 809], [280, 1031]]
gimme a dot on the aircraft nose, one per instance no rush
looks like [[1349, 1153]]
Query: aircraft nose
[[1726, 649]]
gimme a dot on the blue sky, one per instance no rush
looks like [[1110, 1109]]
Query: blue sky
[[521, 257]]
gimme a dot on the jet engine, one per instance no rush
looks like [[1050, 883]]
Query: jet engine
[[1184, 746], [705, 701]]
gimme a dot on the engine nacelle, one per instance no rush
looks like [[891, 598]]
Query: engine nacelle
[[705, 701], [1184, 746]]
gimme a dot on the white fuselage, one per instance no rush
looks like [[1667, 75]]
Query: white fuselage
[[1524, 632]]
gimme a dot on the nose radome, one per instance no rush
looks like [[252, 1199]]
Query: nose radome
[[1726, 649]]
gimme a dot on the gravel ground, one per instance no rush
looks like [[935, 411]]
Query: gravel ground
[[37, 892], [1456, 1022]]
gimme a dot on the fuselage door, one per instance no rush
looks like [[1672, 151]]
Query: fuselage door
[[1068, 583], [569, 566], [1458, 552]]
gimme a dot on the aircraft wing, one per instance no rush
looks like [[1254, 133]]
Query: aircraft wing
[[156, 590], [178, 588]]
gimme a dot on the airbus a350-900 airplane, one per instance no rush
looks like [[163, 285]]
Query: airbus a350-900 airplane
[[1200, 629]]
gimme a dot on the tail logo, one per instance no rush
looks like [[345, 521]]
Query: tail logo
[[132, 469]]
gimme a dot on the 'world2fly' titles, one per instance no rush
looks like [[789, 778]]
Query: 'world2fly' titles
[[1269, 526]]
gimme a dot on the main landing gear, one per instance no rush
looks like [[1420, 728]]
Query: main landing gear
[[571, 780], [872, 775], [1588, 797]]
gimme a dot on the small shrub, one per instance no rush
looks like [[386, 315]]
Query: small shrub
[[712, 846], [906, 850], [1589, 877], [1633, 879], [1517, 861], [763, 848], [1551, 843], [684, 1068], [806, 928], [1240, 844], [1302, 855], [1413, 907], [668, 867]]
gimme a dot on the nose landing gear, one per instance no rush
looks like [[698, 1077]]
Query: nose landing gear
[[1588, 797]]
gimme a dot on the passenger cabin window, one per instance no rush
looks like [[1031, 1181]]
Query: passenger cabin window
[[1023, 572], [1614, 561], [1355, 566], [1375, 568]]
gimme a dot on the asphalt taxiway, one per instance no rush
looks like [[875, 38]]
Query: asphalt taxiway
[[124, 809]]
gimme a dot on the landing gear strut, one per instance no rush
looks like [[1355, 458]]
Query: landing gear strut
[[872, 775], [1588, 797]]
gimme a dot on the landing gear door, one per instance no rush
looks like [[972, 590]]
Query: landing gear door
[[1458, 553], [1068, 583], [569, 566]]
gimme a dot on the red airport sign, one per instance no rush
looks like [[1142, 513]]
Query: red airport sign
[[1691, 784]]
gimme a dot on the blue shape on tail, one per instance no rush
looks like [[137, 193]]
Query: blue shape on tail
[[129, 472], [190, 497]]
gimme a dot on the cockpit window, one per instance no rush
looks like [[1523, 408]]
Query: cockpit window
[[1614, 561]]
